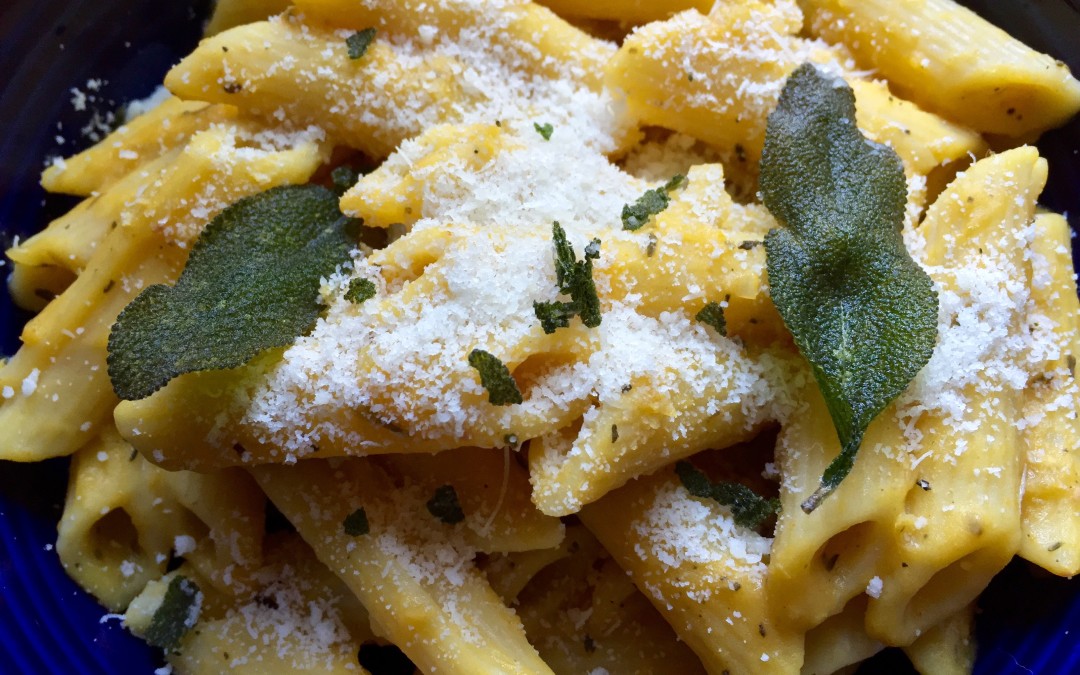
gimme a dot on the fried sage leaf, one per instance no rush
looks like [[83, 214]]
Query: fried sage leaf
[[251, 284], [862, 311]]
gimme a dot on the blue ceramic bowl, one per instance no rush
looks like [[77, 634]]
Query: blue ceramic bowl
[[1029, 623]]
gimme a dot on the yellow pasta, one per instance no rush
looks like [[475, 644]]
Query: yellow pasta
[[995, 83], [1051, 499], [948, 647], [148, 136], [840, 641], [961, 524], [412, 572], [837, 549], [716, 77], [124, 518], [628, 11], [296, 617], [585, 214], [705, 574], [699, 243], [583, 613], [69, 242], [231, 13], [285, 68]]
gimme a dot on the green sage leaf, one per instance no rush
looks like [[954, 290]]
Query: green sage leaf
[[251, 284], [861, 310]]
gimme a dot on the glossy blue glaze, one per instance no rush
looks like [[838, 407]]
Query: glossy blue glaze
[[1030, 622]]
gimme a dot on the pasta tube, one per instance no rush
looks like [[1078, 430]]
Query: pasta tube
[[703, 573], [1051, 439], [411, 571], [995, 83], [961, 521], [717, 77]]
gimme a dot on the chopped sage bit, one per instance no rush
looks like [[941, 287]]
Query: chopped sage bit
[[748, 509], [677, 181], [652, 202], [343, 178], [496, 378], [544, 130], [360, 290], [712, 314], [862, 312], [445, 506], [565, 260], [359, 42], [924, 484], [650, 247], [251, 284], [583, 288], [575, 278], [179, 611], [554, 315], [356, 523], [750, 244], [614, 433]]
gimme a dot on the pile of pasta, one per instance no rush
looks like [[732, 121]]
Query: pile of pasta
[[579, 549]]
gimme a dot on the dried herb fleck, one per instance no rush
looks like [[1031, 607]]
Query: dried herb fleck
[[712, 314], [445, 506], [356, 523], [544, 130], [360, 290], [359, 42]]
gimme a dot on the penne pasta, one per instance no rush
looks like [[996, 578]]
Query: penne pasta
[[997, 84], [539, 387]]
